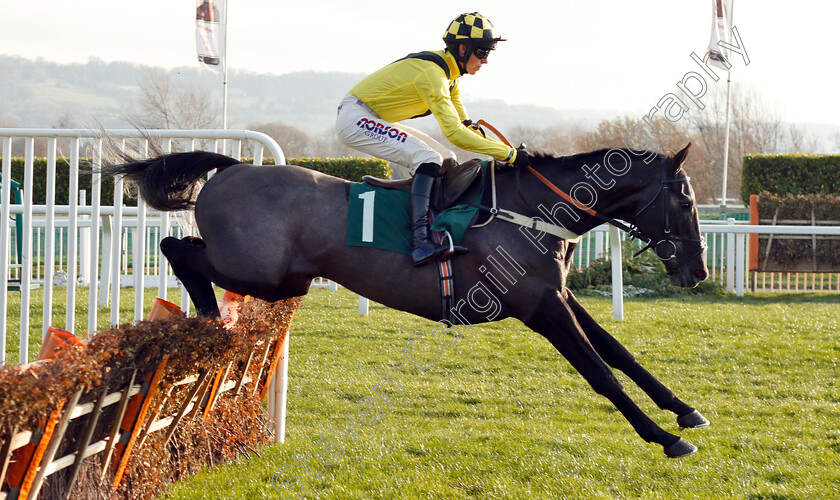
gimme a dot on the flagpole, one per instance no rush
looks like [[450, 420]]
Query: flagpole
[[225, 73], [726, 137]]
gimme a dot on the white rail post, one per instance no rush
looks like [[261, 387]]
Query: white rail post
[[139, 258], [280, 388], [163, 270], [4, 238], [730, 257], [116, 244], [740, 261], [93, 250], [107, 254], [49, 239], [26, 258], [73, 236], [138, 261], [599, 243], [84, 242], [617, 277]]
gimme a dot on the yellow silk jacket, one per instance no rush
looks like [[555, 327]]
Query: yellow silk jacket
[[412, 87]]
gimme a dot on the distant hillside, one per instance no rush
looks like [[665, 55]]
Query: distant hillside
[[40, 93], [44, 94]]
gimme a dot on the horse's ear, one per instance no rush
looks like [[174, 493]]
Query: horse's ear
[[680, 157]]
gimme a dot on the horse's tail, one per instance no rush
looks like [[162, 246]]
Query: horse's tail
[[170, 182]]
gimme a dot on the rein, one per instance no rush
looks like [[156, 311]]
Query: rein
[[666, 243]]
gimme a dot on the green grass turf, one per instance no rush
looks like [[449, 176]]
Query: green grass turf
[[500, 414]]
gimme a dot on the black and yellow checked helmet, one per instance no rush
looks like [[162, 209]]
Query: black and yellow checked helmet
[[473, 29]]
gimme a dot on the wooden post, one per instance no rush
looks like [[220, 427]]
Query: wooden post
[[6, 453], [221, 378], [199, 384], [753, 265], [115, 429], [32, 469], [275, 358], [138, 423], [55, 442], [91, 425]]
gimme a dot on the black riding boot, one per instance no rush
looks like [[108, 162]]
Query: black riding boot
[[424, 249]]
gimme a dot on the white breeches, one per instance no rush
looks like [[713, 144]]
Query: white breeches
[[362, 129]]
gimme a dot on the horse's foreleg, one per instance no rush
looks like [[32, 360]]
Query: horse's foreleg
[[556, 321], [187, 258], [618, 357]]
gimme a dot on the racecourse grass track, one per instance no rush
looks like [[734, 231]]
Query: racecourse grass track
[[500, 414]]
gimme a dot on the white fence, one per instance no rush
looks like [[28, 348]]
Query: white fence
[[85, 224]]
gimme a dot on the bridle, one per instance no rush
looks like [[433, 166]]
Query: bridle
[[667, 242], [665, 247]]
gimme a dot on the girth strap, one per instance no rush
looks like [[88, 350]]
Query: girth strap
[[447, 281]]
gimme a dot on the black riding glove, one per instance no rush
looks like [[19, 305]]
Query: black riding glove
[[475, 126], [523, 159]]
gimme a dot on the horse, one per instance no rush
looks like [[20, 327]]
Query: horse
[[268, 231]]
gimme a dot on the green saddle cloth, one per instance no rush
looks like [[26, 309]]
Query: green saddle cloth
[[380, 218]]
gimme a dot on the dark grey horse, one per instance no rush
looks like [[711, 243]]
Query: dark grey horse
[[268, 231]]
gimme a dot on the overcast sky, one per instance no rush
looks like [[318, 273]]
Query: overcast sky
[[597, 54]]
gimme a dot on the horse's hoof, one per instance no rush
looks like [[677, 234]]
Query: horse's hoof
[[679, 449], [692, 420]]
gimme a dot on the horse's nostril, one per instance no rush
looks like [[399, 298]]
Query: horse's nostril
[[700, 273]]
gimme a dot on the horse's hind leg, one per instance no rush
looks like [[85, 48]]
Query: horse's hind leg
[[618, 357], [189, 262], [555, 320]]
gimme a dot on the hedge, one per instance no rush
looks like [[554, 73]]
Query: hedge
[[235, 424], [349, 168], [790, 174], [797, 253]]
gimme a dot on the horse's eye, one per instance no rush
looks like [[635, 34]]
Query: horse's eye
[[685, 204]]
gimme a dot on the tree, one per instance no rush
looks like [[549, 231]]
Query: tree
[[557, 139], [174, 105], [755, 128], [835, 138], [295, 143], [663, 136]]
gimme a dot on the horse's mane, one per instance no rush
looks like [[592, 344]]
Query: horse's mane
[[590, 157]]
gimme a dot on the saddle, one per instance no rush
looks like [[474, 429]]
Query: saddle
[[456, 184]]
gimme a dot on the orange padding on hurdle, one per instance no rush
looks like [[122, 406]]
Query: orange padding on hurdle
[[26, 460], [162, 309], [134, 424], [58, 337]]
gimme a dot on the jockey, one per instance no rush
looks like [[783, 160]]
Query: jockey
[[418, 85]]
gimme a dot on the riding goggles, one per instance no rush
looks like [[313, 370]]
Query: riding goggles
[[481, 52]]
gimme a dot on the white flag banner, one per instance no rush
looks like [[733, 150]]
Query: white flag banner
[[209, 34], [718, 55]]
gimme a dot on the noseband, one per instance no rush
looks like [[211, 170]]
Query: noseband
[[664, 247]]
